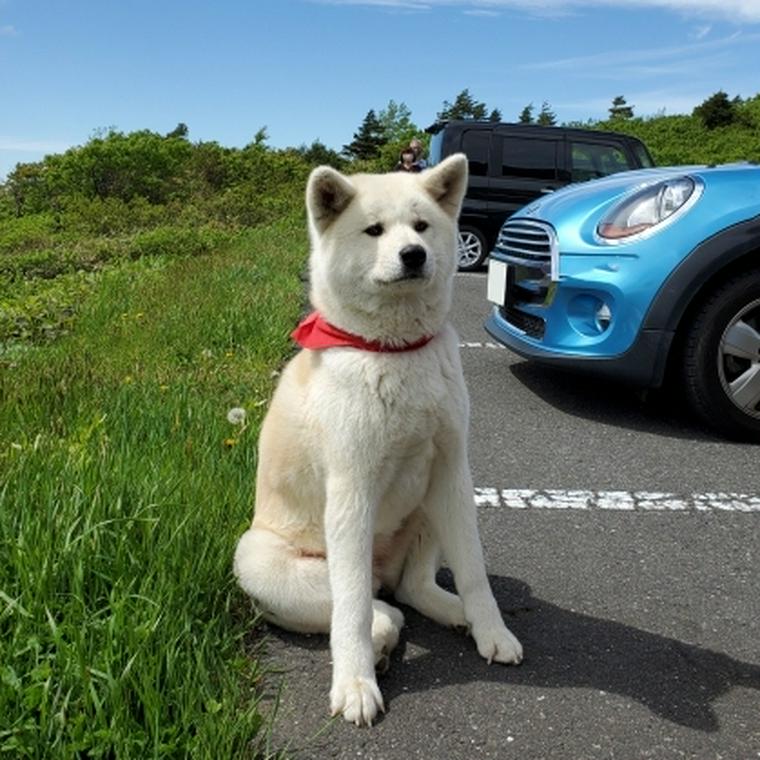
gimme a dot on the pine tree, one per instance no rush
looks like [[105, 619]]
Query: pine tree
[[547, 117], [620, 109], [526, 115], [396, 120], [463, 107], [180, 130], [495, 115], [368, 139], [717, 111], [319, 154]]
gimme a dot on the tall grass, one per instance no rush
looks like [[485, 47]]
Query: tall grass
[[123, 488]]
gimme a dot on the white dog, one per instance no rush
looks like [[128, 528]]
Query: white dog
[[363, 479]]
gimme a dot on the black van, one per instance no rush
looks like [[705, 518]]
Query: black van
[[512, 164]]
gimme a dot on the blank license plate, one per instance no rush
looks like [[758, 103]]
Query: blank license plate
[[497, 282]]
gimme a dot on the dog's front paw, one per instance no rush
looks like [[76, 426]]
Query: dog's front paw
[[357, 698], [498, 643]]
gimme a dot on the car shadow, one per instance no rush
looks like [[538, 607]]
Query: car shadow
[[564, 649], [659, 411]]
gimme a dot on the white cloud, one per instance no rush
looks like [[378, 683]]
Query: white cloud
[[738, 11], [641, 56], [702, 31], [8, 31]]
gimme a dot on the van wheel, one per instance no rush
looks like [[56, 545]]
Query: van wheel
[[721, 367], [472, 249]]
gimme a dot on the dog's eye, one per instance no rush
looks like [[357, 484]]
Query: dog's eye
[[375, 230], [420, 226]]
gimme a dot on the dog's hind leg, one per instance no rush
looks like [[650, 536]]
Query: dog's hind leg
[[292, 590], [418, 587]]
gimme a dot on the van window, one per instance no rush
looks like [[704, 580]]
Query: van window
[[643, 155], [436, 146], [591, 160], [534, 159], [476, 143]]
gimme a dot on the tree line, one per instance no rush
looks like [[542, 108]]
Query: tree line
[[392, 126], [242, 186]]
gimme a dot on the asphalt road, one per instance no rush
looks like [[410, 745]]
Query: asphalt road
[[622, 543]]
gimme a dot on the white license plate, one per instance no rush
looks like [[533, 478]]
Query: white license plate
[[497, 282]]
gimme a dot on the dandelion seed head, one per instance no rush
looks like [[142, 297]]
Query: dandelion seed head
[[236, 416]]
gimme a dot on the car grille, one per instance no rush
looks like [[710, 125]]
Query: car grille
[[531, 250], [529, 324], [530, 244]]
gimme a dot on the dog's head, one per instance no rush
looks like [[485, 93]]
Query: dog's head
[[384, 247]]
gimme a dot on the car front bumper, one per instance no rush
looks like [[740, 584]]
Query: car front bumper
[[558, 322], [642, 365]]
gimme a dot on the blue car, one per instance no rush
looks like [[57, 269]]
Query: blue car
[[640, 275]]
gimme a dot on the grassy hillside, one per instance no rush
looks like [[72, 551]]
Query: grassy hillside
[[124, 488], [132, 318], [681, 139]]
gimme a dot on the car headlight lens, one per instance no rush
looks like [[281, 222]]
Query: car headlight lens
[[646, 209]]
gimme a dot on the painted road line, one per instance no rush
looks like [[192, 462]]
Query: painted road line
[[617, 501], [481, 344]]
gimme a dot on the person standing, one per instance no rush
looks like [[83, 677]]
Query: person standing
[[407, 161], [419, 153]]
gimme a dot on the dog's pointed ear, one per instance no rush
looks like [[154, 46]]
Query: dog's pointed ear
[[447, 183], [328, 193]]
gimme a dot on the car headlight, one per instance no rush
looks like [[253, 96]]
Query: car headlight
[[647, 208]]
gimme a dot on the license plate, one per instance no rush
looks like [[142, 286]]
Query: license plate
[[497, 282]]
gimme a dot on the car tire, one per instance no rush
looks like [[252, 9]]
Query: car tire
[[472, 249], [721, 360]]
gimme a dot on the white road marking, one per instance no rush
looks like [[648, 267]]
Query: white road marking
[[480, 344], [617, 501]]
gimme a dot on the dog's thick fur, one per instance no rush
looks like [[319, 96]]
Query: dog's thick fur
[[363, 479]]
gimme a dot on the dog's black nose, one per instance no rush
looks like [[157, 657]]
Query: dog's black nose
[[413, 257]]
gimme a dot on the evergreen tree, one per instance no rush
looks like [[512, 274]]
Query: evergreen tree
[[620, 109], [495, 115], [547, 117], [368, 139], [526, 115], [261, 136], [396, 121], [318, 154], [180, 130], [463, 107], [717, 111]]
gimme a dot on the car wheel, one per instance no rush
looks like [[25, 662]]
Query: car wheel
[[472, 249], [722, 358]]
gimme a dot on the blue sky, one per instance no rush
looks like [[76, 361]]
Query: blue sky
[[310, 69]]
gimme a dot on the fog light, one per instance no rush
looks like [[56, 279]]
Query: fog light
[[589, 315], [603, 317]]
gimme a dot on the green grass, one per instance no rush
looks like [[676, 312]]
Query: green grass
[[41, 288], [123, 489]]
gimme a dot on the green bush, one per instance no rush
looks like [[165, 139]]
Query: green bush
[[27, 233], [175, 241], [82, 216]]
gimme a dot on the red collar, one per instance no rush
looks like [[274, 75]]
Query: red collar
[[315, 332]]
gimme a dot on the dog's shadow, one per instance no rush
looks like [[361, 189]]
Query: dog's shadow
[[564, 649]]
